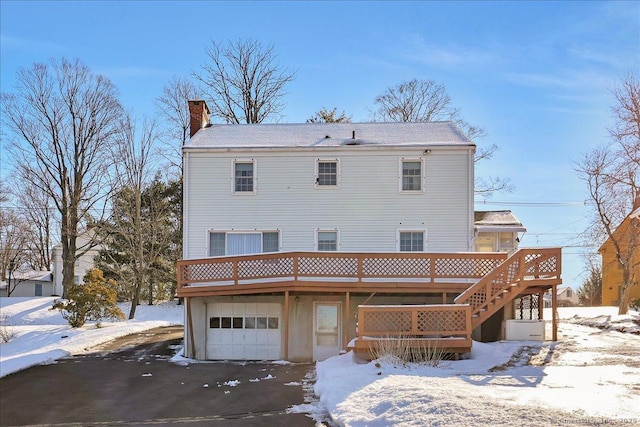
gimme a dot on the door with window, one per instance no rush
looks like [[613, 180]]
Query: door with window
[[327, 326]]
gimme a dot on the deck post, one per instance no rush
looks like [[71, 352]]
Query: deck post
[[192, 344], [554, 309], [347, 319], [286, 325], [540, 304]]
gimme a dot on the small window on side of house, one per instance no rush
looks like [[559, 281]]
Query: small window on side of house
[[411, 175], [327, 240], [244, 176], [327, 174], [412, 241]]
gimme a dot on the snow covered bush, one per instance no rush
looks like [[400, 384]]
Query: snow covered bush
[[6, 331], [94, 300]]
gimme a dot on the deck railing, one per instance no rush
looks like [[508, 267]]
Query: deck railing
[[345, 266], [523, 268], [447, 326]]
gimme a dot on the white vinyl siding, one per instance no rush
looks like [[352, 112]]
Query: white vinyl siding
[[368, 210]]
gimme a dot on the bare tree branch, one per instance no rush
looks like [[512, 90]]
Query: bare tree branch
[[243, 81]]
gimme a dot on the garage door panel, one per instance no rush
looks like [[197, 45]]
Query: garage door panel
[[244, 331]]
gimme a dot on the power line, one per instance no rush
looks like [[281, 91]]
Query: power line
[[533, 204]]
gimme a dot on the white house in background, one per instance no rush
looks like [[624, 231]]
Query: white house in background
[[566, 296], [28, 284], [497, 231], [83, 264], [291, 230]]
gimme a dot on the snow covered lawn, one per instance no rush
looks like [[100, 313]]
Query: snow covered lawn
[[43, 336], [590, 376]]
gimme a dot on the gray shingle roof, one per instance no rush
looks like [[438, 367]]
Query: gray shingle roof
[[328, 135]]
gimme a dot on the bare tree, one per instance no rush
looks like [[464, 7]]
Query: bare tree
[[611, 175], [63, 119], [39, 213], [14, 239], [329, 116], [173, 107], [590, 293], [243, 81], [133, 162], [427, 101]]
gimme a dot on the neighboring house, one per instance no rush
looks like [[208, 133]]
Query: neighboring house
[[304, 240], [566, 297], [28, 284], [497, 231], [83, 264], [611, 271]]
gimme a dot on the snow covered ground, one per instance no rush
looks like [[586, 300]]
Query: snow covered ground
[[43, 336], [591, 376]]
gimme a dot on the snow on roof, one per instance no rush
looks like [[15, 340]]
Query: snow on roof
[[39, 276], [328, 135], [497, 221]]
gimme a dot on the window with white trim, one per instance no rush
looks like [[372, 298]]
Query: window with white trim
[[327, 174], [244, 176], [412, 175], [411, 241], [327, 240], [237, 243]]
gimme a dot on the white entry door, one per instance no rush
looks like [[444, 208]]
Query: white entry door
[[244, 331], [327, 326]]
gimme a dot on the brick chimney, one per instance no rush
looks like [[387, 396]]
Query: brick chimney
[[199, 113]]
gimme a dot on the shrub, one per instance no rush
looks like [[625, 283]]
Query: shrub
[[94, 300], [401, 350], [635, 304], [6, 331]]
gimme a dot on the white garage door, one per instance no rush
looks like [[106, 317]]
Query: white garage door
[[244, 331]]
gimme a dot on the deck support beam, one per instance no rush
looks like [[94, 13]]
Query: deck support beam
[[286, 325], [346, 320], [554, 310]]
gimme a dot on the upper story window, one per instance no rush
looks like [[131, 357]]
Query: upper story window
[[244, 176], [412, 175], [327, 174], [327, 240], [238, 243], [412, 241]]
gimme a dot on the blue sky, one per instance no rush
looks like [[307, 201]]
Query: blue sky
[[536, 76]]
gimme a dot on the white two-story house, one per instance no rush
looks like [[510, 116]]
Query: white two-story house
[[290, 228]]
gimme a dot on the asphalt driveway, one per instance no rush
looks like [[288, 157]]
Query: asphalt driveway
[[138, 385]]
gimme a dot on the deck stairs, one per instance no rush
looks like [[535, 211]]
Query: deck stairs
[[522, 270]]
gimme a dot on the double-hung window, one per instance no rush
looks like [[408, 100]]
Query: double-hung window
[[238, 243], [244, 176], [412, 241], [327, 240], [412, 175], [327, 174]]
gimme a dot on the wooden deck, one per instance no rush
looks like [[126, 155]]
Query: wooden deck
[[397, 272], [482, 282]]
